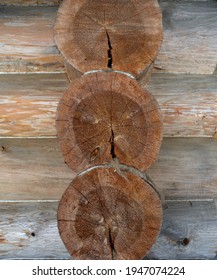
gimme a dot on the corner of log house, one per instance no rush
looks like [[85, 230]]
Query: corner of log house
[[33, 175]]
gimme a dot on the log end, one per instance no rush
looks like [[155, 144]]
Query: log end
[[104, 214], [103, 116]]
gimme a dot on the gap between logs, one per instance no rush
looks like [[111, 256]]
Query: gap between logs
[[109, 65]]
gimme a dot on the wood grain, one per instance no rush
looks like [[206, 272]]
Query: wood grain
[[28, 105], [27, 43], [188, 103], [34, 169], [105, 214], [190, 33], [124, 36], [104, 116], [188, 231], [189, 44], [30, 2]]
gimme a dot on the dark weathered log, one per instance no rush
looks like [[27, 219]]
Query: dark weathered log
[[103, 116], [105, 214], [100, 34]]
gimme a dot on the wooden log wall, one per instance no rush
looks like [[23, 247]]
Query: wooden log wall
[[33, 175]]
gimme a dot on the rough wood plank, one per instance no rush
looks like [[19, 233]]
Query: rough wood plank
[[30, 2], [188, 232], [28, 105], [189, 44], [27, 43], [34, 169]]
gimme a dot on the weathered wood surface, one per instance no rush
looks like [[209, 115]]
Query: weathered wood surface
[[189, 231], [29, 230], [124, 36], [30, 2], [34, 169], [188, 103], [190, 38], [103, 116], [28, 105], [27, 43], [189, 44], [108, 214]]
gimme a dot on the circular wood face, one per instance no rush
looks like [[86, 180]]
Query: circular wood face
[[108, 215], [103, 116], [98, 34]]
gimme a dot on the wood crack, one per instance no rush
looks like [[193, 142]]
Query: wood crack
[[112, 246], [112, 144], [110, 61]]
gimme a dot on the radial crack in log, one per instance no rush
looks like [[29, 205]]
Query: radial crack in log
[[125, 229], [113, 252], [135, 28], [112, 144], [103, 116], [110, 61]]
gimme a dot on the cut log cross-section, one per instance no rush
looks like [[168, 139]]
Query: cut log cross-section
[[103, 116], [109, 128], [107, 215], [100, 34]]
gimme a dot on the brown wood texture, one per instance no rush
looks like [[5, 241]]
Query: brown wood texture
[[189, 44], [107, 115], [188, 231], [28, 105], [105, 214], [123, 35]]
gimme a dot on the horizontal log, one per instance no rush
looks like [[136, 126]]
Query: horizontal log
[[188, 231], [190, 37], [188, 103], [27, 43], [29, 231], [30, 2], [28, 105], [189, 45], [48, 2], [34, 169]]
